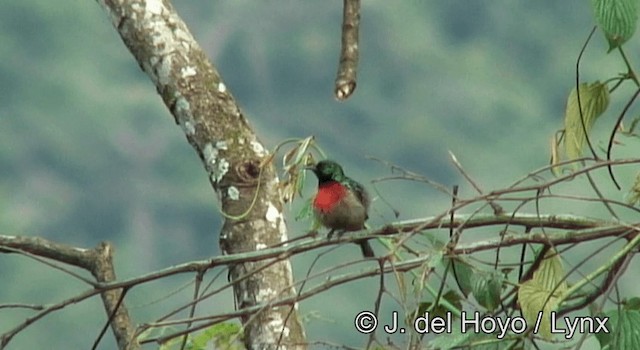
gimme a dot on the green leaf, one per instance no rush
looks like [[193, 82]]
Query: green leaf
[[486, 289], [623, 328], [435, 259], [305, 211], [464, 273], [633, 196], [543, 292], [223, 335], [454, 339], [632, 126], [470, 340], [484, 285], [617, 19], [594, 99], [632, 304], [439, 310]]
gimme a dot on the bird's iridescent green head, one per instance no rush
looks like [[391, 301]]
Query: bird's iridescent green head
[[328, 170]]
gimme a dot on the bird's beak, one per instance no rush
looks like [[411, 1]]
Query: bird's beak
[[312, 168]]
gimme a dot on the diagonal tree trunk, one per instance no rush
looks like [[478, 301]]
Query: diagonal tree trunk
[[231, 153]]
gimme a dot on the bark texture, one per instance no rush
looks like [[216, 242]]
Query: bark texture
[[231, 153]]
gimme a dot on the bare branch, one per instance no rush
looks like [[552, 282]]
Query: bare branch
[[97, 261], [349, 52]]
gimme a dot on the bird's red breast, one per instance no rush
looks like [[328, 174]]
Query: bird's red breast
[[329, 195]]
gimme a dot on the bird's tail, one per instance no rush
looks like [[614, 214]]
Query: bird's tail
[[367, 251]]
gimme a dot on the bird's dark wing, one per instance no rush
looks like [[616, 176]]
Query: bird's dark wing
[[360, 192]]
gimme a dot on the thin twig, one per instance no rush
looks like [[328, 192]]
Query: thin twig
[[192, 311], [584, 127], [613, 135], [497, 209]]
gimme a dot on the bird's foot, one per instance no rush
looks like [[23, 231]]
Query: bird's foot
[[339, 232]]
